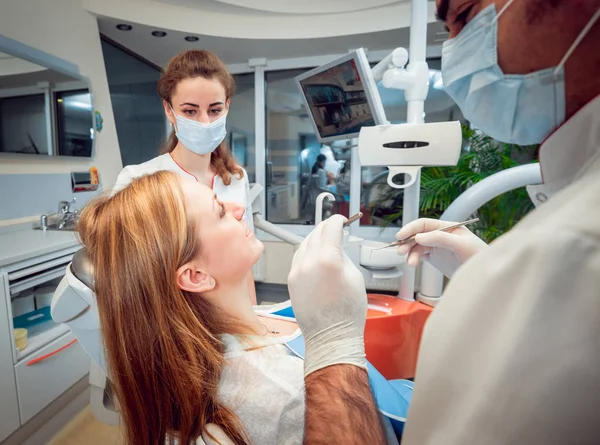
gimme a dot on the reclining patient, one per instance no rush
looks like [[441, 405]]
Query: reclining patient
[[183, 343]]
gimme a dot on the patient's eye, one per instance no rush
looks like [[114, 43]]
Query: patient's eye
[[223, 211]]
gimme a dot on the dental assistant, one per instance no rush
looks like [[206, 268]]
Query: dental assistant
[[511, 354], [196, 90]]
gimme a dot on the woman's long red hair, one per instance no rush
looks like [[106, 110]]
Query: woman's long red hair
[[162, 344], [201, 63]]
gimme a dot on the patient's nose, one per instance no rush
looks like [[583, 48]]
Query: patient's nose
[[237, 210]]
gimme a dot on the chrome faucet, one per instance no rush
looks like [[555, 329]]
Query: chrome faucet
[[66, 216]]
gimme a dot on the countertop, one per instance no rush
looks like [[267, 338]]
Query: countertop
[[28, 243]]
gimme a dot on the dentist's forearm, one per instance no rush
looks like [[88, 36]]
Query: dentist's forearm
[[340, 408]]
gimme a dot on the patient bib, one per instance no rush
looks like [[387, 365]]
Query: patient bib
[[392, 397]]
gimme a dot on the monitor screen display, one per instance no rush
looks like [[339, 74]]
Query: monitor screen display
[[338, 101]]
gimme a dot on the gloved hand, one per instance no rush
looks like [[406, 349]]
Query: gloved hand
[[329, 299], [446, 251]]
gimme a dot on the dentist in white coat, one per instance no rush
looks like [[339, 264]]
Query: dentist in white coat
[[511, 354]]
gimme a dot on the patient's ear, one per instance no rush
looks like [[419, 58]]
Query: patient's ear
[[190, 279]]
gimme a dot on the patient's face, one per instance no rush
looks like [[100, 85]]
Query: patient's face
[[228, 249]]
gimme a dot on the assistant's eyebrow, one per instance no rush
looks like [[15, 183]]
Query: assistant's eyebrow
[[441, 12], [190, 104], [216, 103]]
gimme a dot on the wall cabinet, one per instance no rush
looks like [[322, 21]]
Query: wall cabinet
[[9, 407]]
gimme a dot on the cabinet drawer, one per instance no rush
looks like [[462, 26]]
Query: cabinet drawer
[[40, 383]]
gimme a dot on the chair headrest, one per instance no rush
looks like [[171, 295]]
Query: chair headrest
[[82, 268]]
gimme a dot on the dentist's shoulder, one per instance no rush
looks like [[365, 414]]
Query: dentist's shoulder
[[130, 172]]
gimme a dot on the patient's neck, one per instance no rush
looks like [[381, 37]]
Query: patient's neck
[[232, 299]]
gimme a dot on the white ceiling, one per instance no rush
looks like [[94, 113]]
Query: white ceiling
[[290, 6], [234, 50], [263, 19], [238, 30]]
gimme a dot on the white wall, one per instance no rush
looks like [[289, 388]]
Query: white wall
[[63, 28]]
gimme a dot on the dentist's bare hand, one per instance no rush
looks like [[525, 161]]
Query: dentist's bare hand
[[446, 251], [329, 299]]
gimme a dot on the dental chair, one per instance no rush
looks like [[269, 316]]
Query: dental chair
[[74, 304]]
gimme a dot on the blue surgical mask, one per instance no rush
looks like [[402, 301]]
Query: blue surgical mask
[[200, 138], [511, 108]]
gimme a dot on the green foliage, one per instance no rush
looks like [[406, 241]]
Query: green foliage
[[481, 157]]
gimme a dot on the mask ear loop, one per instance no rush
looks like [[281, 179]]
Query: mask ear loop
[[558, 74], [508, 3], [175, 117]]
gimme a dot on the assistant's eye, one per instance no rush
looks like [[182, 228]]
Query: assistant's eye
[[189, 112], [215, 112]]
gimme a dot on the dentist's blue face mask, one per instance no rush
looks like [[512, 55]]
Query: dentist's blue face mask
[[197, 137], [516, 109]]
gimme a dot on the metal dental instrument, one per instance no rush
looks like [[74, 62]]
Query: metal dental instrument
[[443, 229], [353, 218]]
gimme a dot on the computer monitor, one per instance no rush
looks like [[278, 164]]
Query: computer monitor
[[341, 97]]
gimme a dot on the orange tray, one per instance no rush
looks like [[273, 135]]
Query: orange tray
[[393, 334]]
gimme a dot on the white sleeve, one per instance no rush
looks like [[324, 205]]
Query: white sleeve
[[512, 344], [248, 216]]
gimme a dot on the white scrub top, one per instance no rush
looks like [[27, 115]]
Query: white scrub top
[[511, 354], [238, 191]]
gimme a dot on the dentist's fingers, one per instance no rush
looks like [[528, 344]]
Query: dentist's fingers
[[403, 249], [416, 254], [420, 226]]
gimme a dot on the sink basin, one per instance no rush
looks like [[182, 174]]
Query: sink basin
[[55, 228]]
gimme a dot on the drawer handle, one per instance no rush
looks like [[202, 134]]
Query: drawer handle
[[50, 354]]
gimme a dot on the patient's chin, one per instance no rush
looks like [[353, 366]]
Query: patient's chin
[[260, 248]]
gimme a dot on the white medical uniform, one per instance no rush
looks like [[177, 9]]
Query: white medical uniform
[[511, 355], [238, 191]]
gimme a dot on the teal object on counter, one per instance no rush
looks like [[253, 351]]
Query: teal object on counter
[[31, 319]]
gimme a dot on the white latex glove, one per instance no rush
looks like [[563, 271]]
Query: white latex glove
[[446, 251], [217, 432], [329, 299]]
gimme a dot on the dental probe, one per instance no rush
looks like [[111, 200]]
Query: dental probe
[[442, 229], [353, 218]]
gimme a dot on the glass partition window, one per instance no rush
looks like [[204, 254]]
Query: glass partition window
[[294, 178], [74, 118], [139, 115], [23, 125], [240, 124], [299, 168]]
